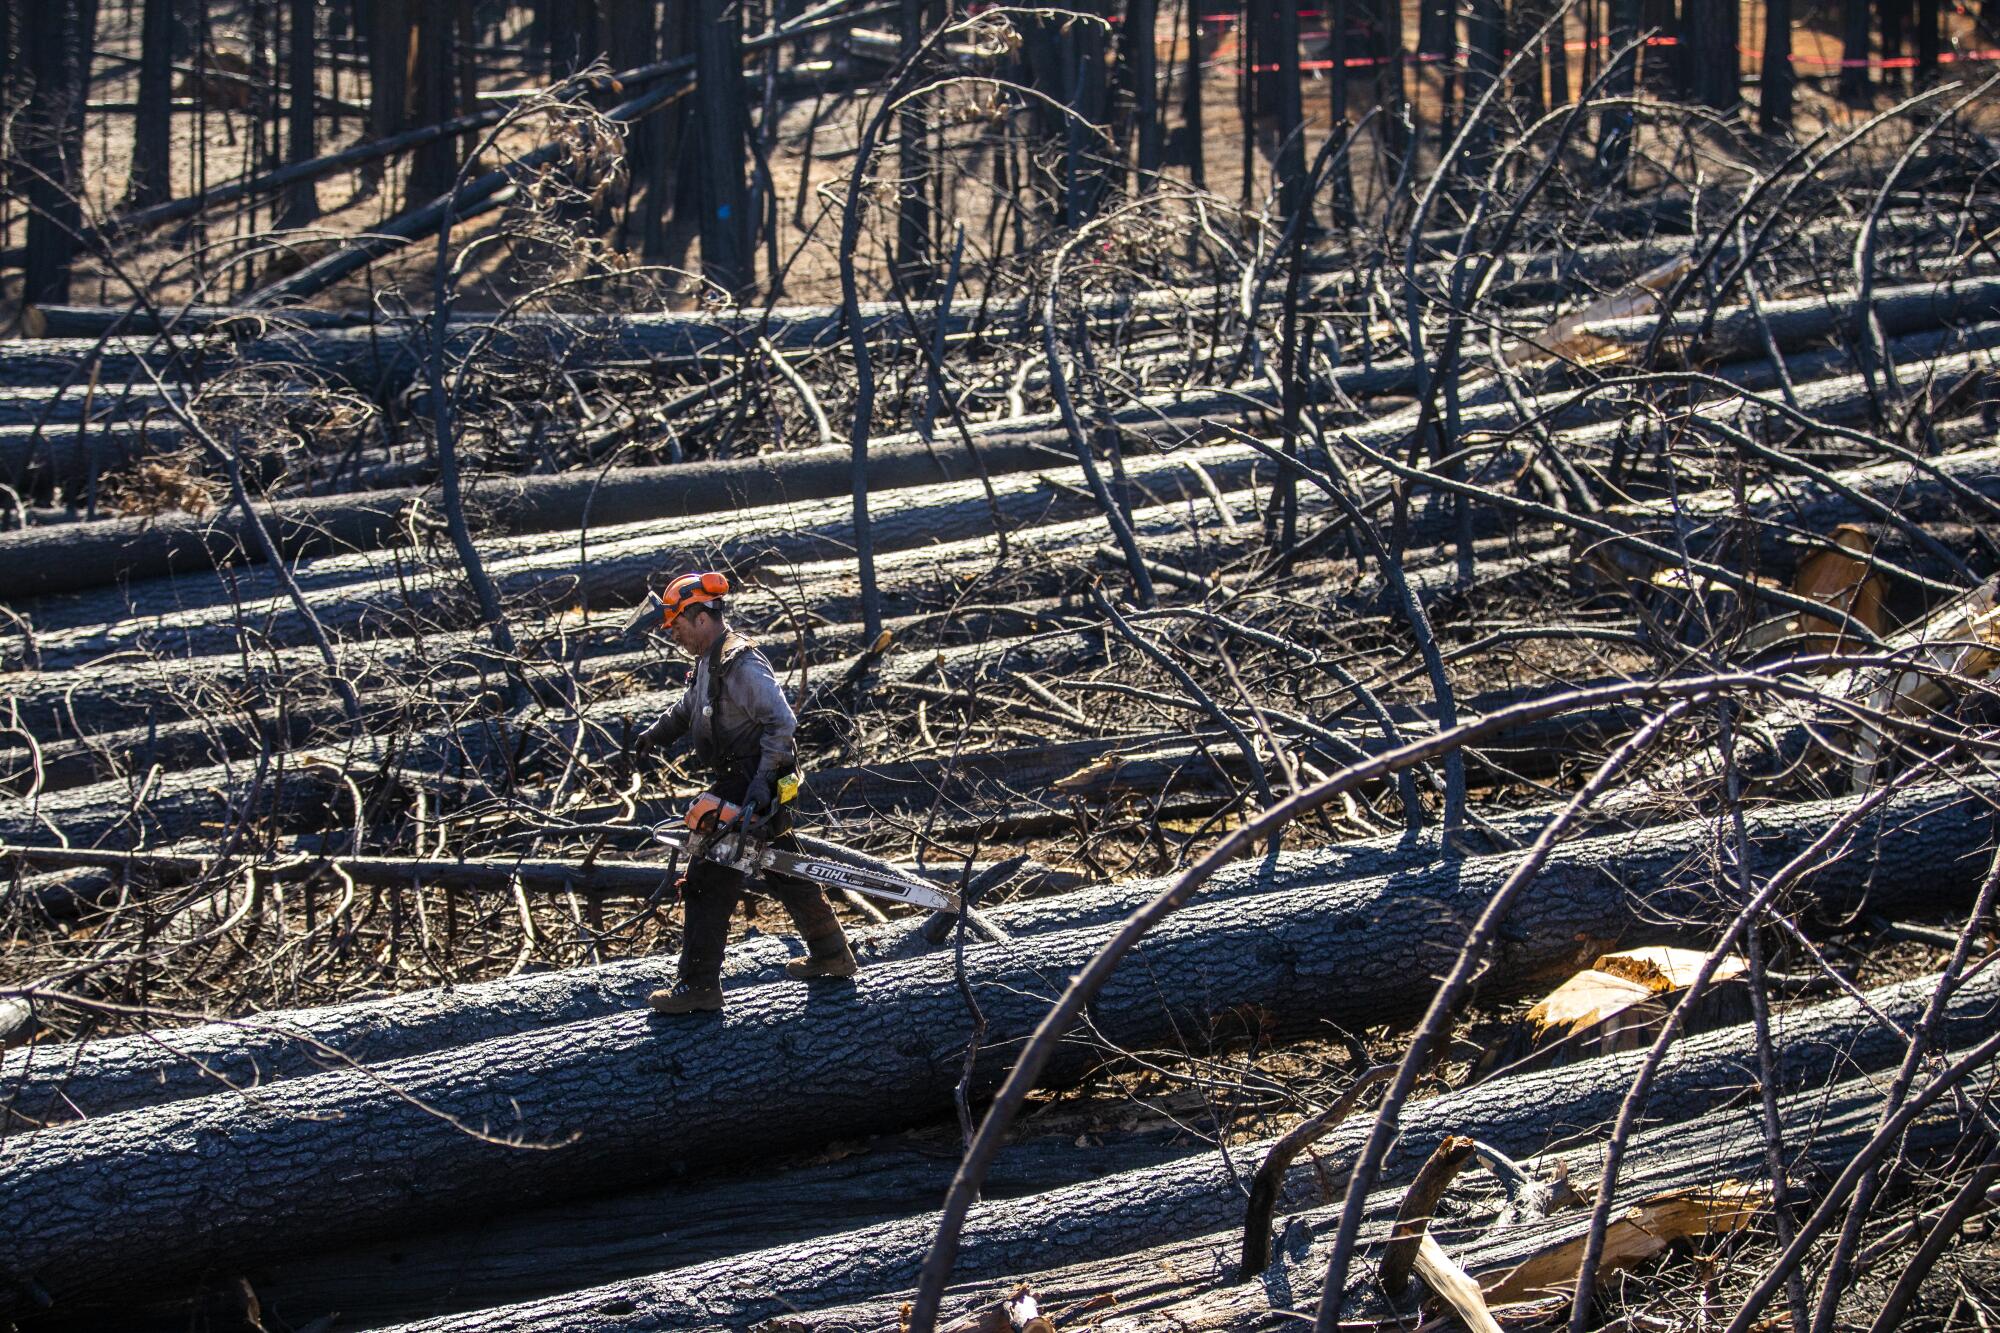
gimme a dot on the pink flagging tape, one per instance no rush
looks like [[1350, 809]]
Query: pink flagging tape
[[1459, 58]]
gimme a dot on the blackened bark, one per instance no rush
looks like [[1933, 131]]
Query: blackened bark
[[1192, 154], [1140, 63], [722, 126], [1895, 17], [666, 143], [1614, 125], [512, 1257], [1774, 89], [433, 166], [565, 26], [1484, 38], [12, 61], [1927, 40], [351, 592], [1694, 1139], [302, 198], [1086, 179], [629, 24], [1390, 85], [1666, 68], [1704, 1139], [1337, 21], [1437, 31], [913, 207], [1712, 42], [152, 148], [465, 81], [1854, 80], [617, 1101], [118, 549], [1290, 106], [56, 41], [388, 73]]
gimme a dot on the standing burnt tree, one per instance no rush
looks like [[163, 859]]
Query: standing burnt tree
[[1776, 78], [388, 38], [722, 132], [1712, 32], [302, 199], [55, 45], [152, 131]]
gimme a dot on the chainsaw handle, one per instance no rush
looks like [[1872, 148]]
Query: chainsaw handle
[[711, 814]]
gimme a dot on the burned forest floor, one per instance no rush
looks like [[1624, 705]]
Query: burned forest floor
[[1460, 715]]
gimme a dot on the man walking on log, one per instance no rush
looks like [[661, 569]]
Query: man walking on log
[[743, 732]]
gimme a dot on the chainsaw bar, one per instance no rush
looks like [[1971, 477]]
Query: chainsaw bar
[[753, 857]]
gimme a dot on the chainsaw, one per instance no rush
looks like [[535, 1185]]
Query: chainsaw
[[715, 830]]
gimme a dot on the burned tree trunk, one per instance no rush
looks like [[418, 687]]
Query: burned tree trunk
[[1712, 33], [1776, 78], [632, 39], [1181, 1284], [598, 1100], [1390, 86], [914, 265], [1927, 40], [521, 1255], [1131, 1212], [1139, 59], [388, 33], [57, 40], [1185, 146], [302, 199], [1291, 154], [1615, 124], [434, 165], [152, 145], [116, 550], [1854, 51], [1342, 167], [722, 126], [117, 1074]]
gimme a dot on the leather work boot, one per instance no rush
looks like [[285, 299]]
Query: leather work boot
[[823, 959], [686, 999]]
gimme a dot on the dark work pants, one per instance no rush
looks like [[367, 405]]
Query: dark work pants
[[710, 895]]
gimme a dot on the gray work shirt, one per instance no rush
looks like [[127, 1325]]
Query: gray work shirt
[[753, 721]]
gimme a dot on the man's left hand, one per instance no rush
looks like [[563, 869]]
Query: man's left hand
[[757, 796]]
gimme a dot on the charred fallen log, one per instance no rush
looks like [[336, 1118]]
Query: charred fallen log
[[412, 1141], [115, 1074], [381, 593], [71, 452], [683, 337], [1522, 1117], [33, 408], [1798, 512], [127, 692], [40, 561], [1193, 1284], [158, 806], [119, 1073], [513, 1257], [1740, 332], [547, 569]]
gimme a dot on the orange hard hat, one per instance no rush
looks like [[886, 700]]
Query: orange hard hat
[[691, 590]]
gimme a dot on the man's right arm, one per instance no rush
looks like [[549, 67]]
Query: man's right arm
[[668, 727]]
